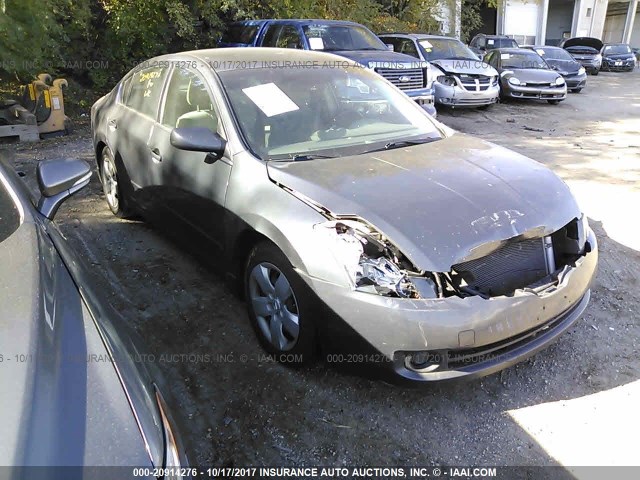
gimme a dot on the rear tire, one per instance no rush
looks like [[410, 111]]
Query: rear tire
[[280, 306], [112, 186]]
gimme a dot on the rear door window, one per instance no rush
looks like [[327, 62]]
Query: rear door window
[[9, 214], [145, 90]]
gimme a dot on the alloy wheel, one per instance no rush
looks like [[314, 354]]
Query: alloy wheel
[[274, 305]]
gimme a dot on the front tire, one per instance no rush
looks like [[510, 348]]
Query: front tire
[[280, 306], [554, 102], [576, 90], [112, 187]]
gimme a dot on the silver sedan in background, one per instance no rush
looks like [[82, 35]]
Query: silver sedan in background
[[351, 220]]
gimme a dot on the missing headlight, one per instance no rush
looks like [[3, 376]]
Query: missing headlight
[[374, 264]]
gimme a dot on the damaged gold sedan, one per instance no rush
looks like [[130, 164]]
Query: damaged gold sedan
[[357, 225]]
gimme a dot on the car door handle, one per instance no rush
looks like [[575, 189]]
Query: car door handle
[[155, 155], [113, 124]]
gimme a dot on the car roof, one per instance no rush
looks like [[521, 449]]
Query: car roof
[[416, 36], [512, 50], [301, 21], [492, 35], [223, 59], [542, 46]]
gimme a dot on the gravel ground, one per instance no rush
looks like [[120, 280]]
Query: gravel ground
[[573, 404]]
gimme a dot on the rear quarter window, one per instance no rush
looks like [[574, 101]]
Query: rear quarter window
[[9, 214], [145, 90]]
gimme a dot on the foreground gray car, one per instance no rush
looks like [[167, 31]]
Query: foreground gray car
[[75, 390], [354, 222]]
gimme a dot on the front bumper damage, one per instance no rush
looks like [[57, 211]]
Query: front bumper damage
[[462, 337], [461, 97]]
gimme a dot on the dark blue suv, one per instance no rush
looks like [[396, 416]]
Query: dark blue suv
[[348, 39]]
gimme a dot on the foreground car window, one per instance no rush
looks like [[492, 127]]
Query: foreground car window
[[188, 103], [146, 88], [336, 111], [330, 38], [9, 214]]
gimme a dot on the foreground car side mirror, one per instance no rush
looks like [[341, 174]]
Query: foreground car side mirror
[[198, 139], [58, 180]]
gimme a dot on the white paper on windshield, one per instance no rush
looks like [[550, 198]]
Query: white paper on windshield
[[316, 43], [540, 51], [505, 56], [426, 44], [490, 42], [270, 99]]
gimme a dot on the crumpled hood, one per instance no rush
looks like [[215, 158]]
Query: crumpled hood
[[583, 42], [382, 58], [439, 201], [470, 67]]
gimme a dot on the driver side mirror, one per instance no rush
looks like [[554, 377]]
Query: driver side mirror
[[198, 139], [58, 180]]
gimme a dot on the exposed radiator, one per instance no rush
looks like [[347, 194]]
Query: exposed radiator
[[514, 265]]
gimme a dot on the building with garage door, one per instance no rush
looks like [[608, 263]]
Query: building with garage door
[[550, 21]]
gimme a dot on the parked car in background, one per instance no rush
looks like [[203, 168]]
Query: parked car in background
[[586, 50], [74, 387], [524, 74], [561, 61], [352, 219], [618, 57], [482, 43], [347, 39], [461, 79]]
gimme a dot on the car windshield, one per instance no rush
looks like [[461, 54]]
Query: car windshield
[[554, 53], [322, 111], [330, 38], [9, 214], [441, 48], [501, 43], [617, 49], [522, 59]]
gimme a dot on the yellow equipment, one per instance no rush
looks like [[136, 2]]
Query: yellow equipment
[[46, 101]]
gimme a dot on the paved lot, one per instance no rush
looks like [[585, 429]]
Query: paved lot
[[573, 404]]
